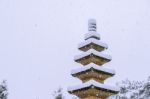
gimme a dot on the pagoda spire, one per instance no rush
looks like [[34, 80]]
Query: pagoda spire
[[92, 74], [92, 30], [92, 25]]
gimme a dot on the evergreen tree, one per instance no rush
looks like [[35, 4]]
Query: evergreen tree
[[145, 91], [58, 94], [3, 90], [133, 90]]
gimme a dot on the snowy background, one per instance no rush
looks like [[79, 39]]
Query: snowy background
[[38, 40]]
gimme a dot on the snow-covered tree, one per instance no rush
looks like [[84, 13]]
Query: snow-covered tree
[[133, 90], [58, 94], [145, 91], [3, 90]]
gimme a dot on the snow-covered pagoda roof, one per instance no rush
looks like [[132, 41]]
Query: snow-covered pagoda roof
[[93, 83], [92, 40], [92, 34], [92, 51], [94, 66]]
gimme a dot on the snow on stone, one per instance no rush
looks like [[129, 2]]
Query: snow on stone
[[92, 34], [92, 40], [92, 65], [92, 51], [94, 83]]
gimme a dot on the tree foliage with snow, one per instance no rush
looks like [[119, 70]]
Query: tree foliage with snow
[[145, 91], [3, 90], [133, 90], [58, 94]]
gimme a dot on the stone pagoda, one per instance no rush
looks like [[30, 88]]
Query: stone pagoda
[[92, 74]]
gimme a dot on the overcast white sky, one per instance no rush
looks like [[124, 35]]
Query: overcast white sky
[[38, 40]]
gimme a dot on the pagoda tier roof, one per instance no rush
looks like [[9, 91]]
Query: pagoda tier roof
[[92, 41], [95, 67], [92, 34], [90, 53], [91, 84]]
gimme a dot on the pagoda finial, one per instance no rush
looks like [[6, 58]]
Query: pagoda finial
[[92, 25]]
